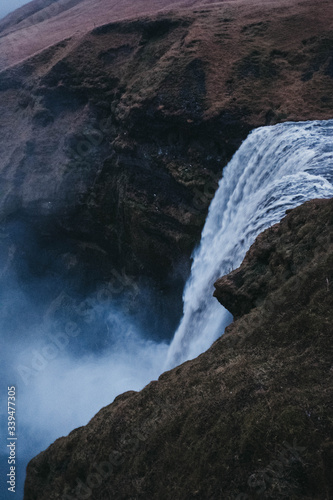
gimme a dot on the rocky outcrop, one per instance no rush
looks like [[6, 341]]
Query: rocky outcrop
[[250, 418], [279, 254], [114, 138]]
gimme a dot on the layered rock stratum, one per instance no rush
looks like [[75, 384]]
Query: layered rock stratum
[[249, 418], [118, 117]]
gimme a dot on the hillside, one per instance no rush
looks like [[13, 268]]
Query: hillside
[[42, 23], [117, 119], [249, 418], [113, 140]]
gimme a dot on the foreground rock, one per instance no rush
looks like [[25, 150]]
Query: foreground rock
[[250, 418]]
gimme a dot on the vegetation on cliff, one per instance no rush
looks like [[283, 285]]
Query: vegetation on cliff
[[116, 124], [114, 139], [249, 418]]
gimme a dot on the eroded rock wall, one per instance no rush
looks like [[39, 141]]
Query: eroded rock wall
[[249, 418]]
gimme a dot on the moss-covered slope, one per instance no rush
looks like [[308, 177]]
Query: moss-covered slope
[[250, 418]]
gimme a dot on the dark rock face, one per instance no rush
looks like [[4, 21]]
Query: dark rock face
[[114, 139], [250, 418], [276, 256]]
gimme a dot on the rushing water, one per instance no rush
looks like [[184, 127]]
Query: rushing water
[[275, 169], [63, 381]]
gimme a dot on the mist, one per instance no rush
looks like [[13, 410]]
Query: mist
[[70, 349], [68, 354]]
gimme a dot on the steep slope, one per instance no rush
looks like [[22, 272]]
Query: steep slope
[[250, 418], [113, 140]]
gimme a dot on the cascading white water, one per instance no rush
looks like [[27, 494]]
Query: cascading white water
[[277, 168]]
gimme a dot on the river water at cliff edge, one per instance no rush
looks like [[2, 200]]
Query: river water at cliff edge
[[62, 379]]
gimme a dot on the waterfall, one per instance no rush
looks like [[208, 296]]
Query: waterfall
[[276, 168]]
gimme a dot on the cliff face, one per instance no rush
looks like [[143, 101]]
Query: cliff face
[[250, 418], [277, 255], [114, 137]]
